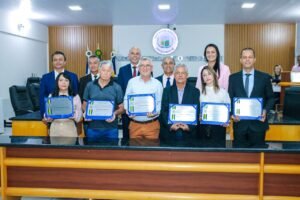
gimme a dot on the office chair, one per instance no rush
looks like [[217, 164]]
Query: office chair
[[20, 100]]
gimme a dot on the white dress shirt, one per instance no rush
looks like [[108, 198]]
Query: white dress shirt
[[137, 85]]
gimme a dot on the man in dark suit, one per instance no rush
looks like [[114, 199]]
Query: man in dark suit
[[48, 80], [179, 93], [167, 78], [253, 84], [125, 74], [93, 62]]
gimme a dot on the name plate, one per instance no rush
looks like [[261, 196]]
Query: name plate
[[183, 113], [141, 104], [60, 107], [99, 109], [215, 113], [248, 108]]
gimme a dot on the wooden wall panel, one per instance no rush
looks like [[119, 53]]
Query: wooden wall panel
[[73, 41], [273, 44]]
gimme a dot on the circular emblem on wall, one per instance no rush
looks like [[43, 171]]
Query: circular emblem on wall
[[165, 41]]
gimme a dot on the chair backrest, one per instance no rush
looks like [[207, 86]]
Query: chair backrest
[[34, 91], [192, 81], [291, 108], [31, 80], [20, 100]]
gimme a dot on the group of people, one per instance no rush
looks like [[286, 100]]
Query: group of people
[[214, 84]]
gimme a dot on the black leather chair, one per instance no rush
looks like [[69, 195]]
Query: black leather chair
[[33, 88], [192, 81], [20, 100], [34, 91]]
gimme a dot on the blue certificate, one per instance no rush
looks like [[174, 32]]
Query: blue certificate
[[248, 108], [141, 104], [60, 107], [182, 113], [214, 113], [99, 109]]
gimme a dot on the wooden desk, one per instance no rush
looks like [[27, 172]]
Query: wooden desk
[[149, 172]]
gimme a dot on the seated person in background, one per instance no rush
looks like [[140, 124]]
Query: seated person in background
[[178, 93], [296, 68], [276, 78], [65, 127], [106, 89], [167, 78], [211, 92], [144, 126]]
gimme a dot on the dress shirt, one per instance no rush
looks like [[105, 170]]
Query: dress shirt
[[180, 95], [56, 73], [137, 85], [251, 81], [93, 76], [296, 68], [165, 79]]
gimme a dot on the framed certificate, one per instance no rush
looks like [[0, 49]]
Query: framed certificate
[[60, 107], [214, 113], [182, 113], [141, 104], [248, 108], [99, 110]]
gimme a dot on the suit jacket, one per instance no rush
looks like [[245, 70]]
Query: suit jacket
[[170, 96], [160, 78], [48, 85], [125, 74], [262, 88], [82, 84]]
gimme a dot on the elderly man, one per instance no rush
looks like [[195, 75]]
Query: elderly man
[[167, 78], [125, 74], [144, 126], [179, 93], [93, 62], [106, 89], [250, 83]]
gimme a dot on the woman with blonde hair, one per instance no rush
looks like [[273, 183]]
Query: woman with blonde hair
[[211, 92]]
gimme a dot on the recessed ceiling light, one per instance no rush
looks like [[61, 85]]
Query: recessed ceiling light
[[75, 8], [248, 5], [164, 6]]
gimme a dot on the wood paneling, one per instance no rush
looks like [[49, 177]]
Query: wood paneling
[[155, 181], [169, 156], [282, 185], [73, 41], [273, 44], [282, 158]]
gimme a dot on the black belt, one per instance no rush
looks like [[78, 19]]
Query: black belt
[[145, 122]]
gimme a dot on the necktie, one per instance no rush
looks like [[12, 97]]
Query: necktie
[[134, 71], [247, 84], [95, 77], [168, 84]]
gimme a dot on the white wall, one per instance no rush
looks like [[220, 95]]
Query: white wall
[[22, 53], [297, 49], [192, 41]]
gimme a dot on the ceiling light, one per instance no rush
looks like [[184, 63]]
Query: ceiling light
[[75, 8], [248, 5], [164, 6]]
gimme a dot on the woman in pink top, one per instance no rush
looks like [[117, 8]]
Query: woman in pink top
[[212, 57], [65, 127]]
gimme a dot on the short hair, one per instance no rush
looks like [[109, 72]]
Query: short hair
[[181, 65], [94, 56], [168, 57], [106, 62], [247, 49], [139, 50], [145, 59], [58, 53]]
